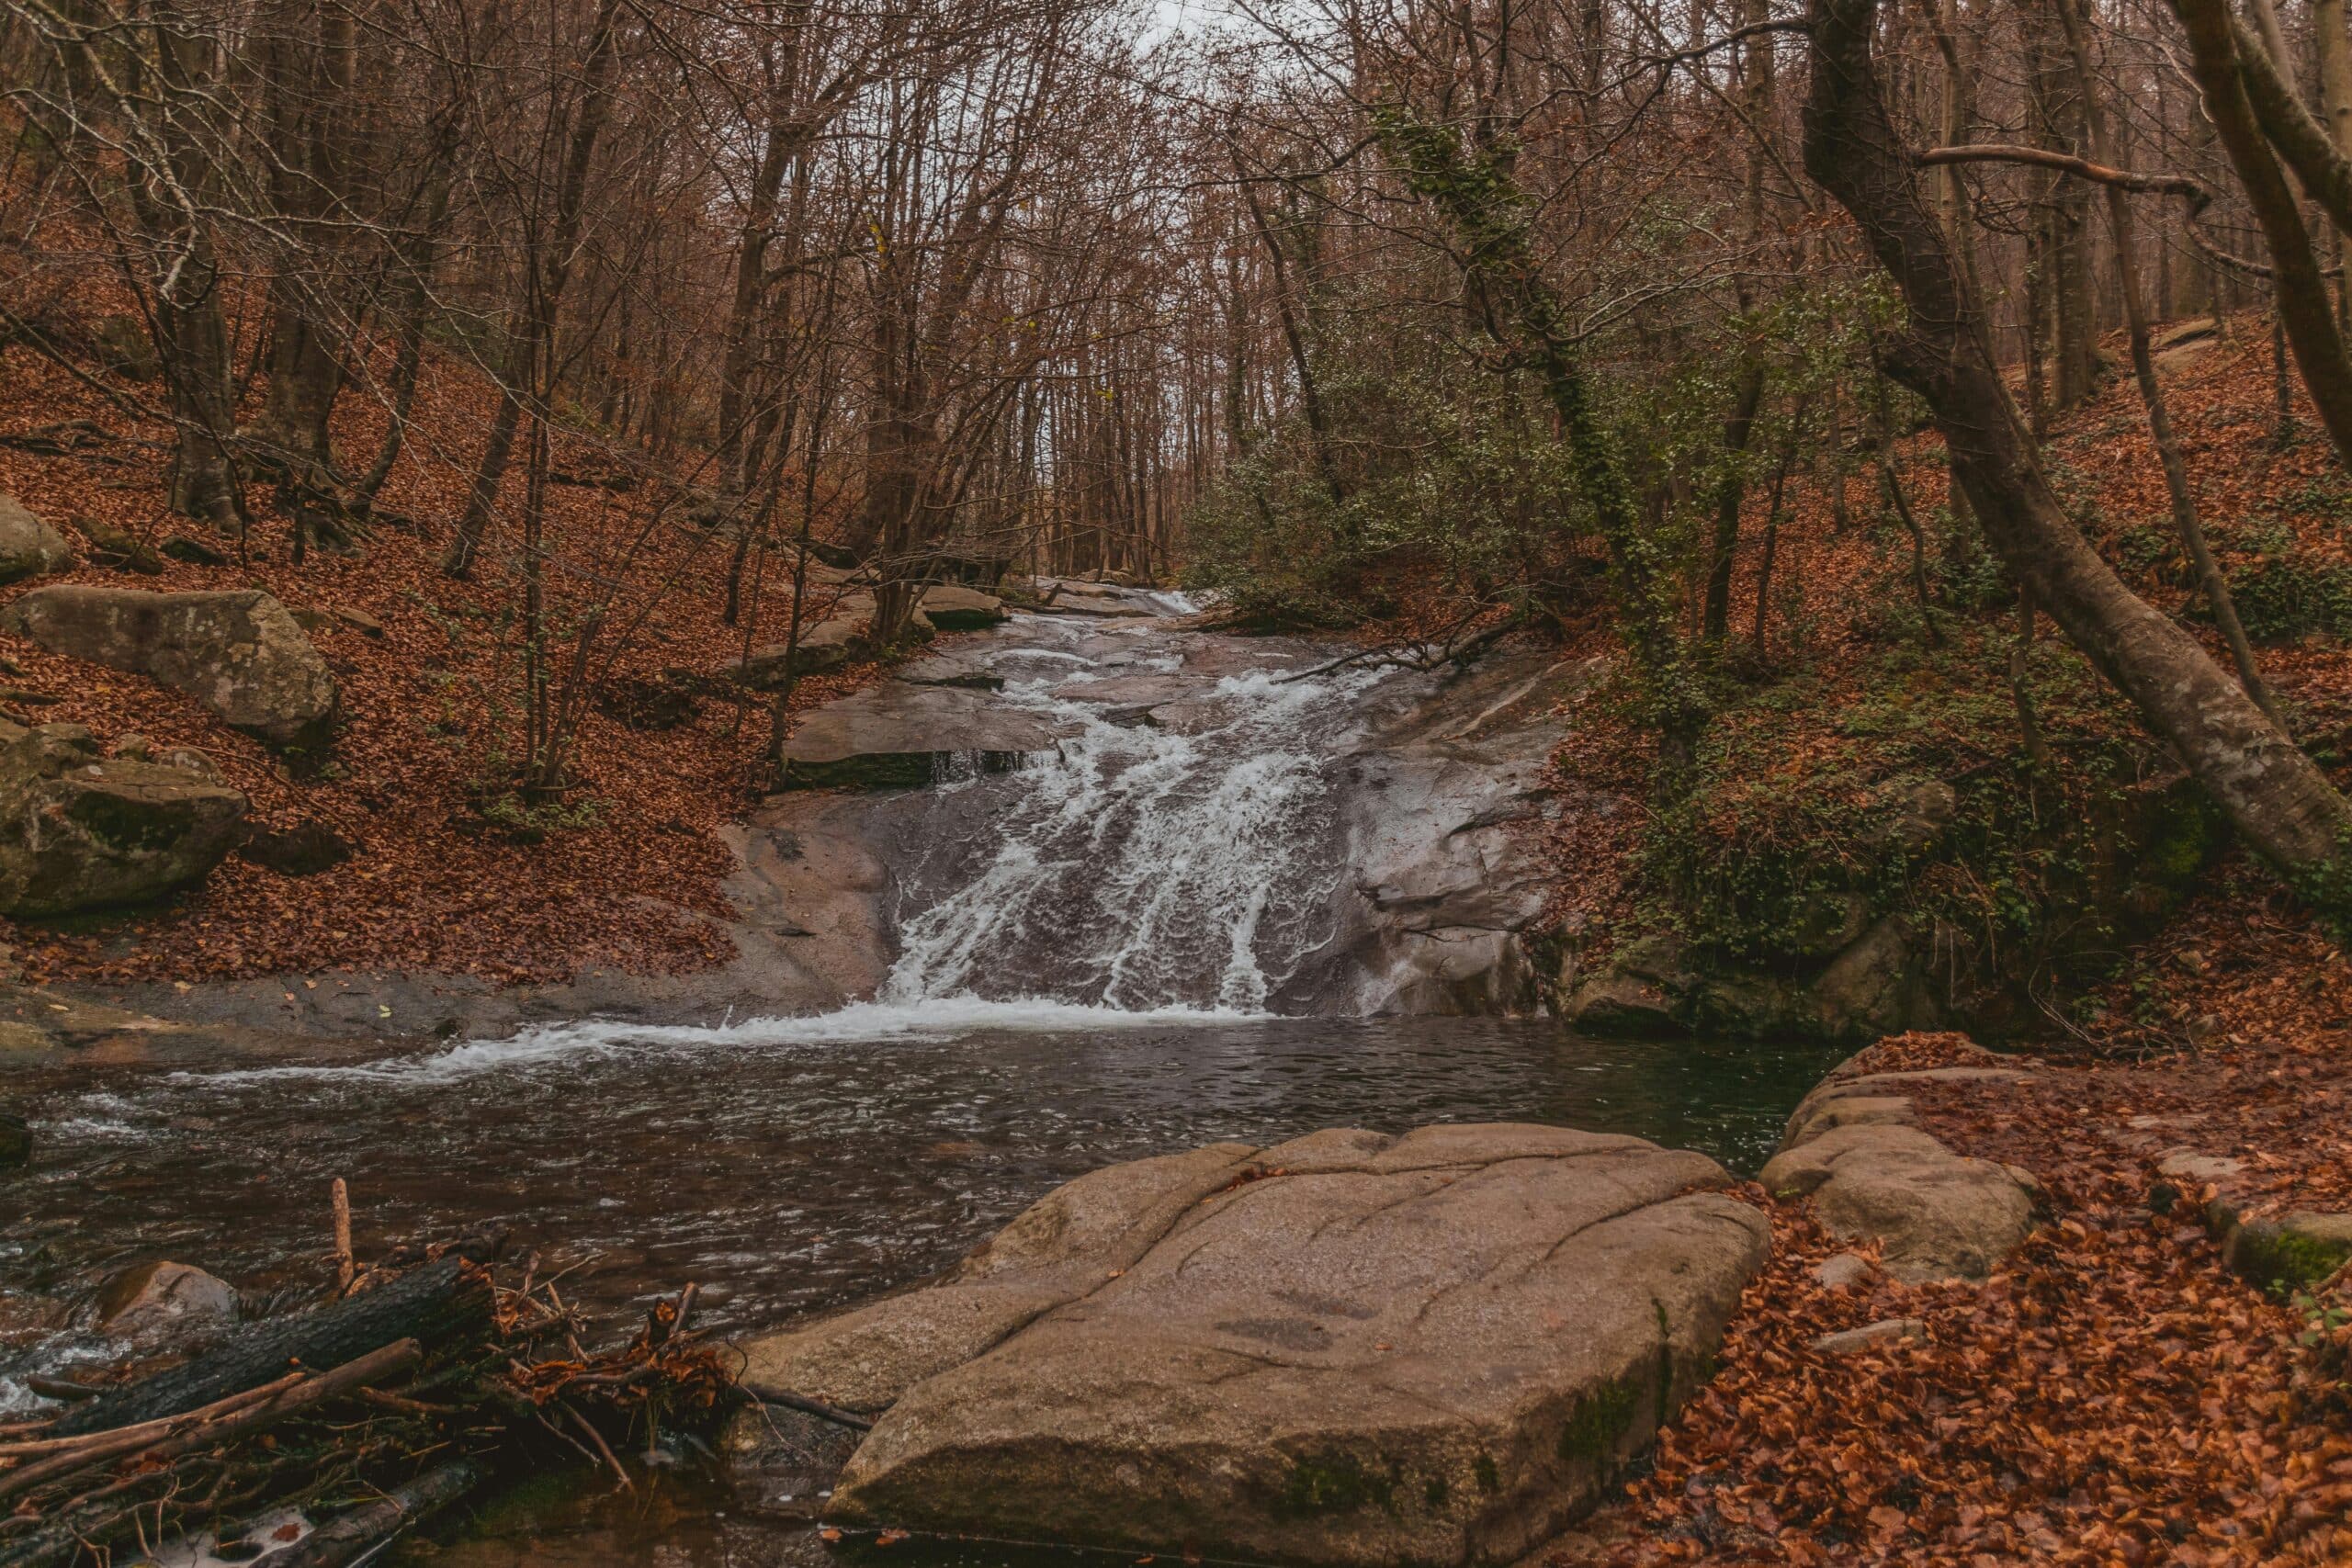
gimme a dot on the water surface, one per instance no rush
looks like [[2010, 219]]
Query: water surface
[[780, 1167]]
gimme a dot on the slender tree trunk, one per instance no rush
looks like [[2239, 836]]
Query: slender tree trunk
[[546, 267], [1757, 99], [2121, 227], [2304, 313]]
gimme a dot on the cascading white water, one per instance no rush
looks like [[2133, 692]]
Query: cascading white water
[[1182, 857]]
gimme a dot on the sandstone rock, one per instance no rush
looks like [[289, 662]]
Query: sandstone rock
[[78, 832], [28, 547], [239, 654], [1612, 1003], [2187, 1165], [827, 646], [192, 550], [898, 735], [2290, 1251], [953, 609], [1828, 922], [1887, 1331], [16, 1141], [1868, 990], [154, 1302], [1350, 1348], [305, 848], [1940, 1215], [189, 760], [1921, 816]]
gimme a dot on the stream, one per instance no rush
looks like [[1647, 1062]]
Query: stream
[[1094, 951]]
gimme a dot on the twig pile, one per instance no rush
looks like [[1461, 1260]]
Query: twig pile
[[412, 1382]]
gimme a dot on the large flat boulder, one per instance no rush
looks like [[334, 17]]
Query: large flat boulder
[[822, 648], [28, 547], [1350, 1348], [240, 654], [900, 734], [81, 832]]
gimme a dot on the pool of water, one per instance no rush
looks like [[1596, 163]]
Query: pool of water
[[782, 1173]]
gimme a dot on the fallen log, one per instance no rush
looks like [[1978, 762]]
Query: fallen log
[[170, 1442], [434, 1304]]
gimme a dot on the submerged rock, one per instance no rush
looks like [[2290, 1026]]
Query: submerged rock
[[81, 832], [1349, 1348], [239, 654], [151, 1302]]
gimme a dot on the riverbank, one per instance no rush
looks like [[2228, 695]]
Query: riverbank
[[2118, 1391]]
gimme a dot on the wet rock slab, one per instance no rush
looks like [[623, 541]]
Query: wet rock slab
[[1348, 1349], [897, 735]]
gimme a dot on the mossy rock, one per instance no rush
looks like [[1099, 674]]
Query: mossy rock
[[2285, 1255]]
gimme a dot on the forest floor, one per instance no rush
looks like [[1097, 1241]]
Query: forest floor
[[431, 697]]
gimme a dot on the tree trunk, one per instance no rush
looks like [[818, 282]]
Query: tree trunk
[[2061, 210], [1731, 493], [2269, 789]]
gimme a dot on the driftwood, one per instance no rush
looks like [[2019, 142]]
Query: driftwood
[[767, 1394], [434, 1304], [242, 1414], [1416, 653], [346, 1539]]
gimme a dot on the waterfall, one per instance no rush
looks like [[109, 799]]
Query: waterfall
[[1178, 855]]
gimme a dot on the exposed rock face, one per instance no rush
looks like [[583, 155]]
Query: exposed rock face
[[1349, 1348], [1446, 870], [239, 654], [81, 832], [28, 547], [953, 609], [1872, 1174]]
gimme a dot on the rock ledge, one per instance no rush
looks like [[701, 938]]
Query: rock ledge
[[1348, 1349]]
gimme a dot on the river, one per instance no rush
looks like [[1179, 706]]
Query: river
[[1094, 953]]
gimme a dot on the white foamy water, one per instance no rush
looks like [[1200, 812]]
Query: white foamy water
[[1183, 860], [939, 1018]]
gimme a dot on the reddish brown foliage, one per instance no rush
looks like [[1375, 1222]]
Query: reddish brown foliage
[[2110, 1397], [637, 889]]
